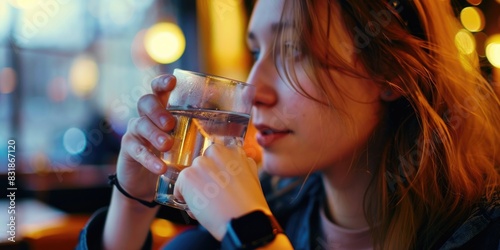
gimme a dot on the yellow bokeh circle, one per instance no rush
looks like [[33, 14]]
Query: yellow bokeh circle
[[472, 19], [493, 50], [164, 42]]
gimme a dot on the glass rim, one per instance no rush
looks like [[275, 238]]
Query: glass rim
[[221, 78]]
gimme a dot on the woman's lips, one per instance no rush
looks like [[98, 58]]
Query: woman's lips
[[267, 136]]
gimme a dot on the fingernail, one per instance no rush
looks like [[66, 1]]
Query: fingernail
[[158, 166], [161, 139], [163, 121], [166, 80]]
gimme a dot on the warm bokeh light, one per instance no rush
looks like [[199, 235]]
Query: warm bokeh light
[[7, 80], [40, 162], [83, 75], [57, 89], [24, 4], [74, 141], [165, 42], [465, 42], [163, 228], [223, 26], [474, 2], [472, 19], [493, 50], [224, 42]]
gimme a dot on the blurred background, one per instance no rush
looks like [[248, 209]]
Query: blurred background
[[71, 72]]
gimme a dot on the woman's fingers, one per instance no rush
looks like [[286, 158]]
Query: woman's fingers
[[141, 136], [143, 127], [137, 150], [233, 158], [212, 184], [153, 105], [196, 189], [150, 106], [162, 86], [148, 133], [221, 170]]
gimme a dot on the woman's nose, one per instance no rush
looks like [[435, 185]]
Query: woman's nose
[[263, 79]]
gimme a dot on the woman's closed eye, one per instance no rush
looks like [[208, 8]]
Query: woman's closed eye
[[255, 54]]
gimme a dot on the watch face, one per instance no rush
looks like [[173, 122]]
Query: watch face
[[253, 228]]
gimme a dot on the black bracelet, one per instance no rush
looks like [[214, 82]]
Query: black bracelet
[[112, 180]]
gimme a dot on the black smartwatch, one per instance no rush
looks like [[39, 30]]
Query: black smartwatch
[[250, 231]]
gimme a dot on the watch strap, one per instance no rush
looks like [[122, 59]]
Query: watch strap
[[230, 243]]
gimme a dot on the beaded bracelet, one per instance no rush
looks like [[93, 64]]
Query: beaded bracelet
[[112, 180]]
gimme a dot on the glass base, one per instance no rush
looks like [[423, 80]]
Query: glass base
[[169, 200], [165, 190]]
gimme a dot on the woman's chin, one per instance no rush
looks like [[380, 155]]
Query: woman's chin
[[284, 169]]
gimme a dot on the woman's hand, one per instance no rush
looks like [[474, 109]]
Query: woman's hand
[[138, 164], [220, 185], [138, 167]]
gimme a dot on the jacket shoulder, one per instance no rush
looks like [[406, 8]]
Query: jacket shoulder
[[286, 194], [481, 230]]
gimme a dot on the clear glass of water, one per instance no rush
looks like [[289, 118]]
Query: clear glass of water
[[209, 109]]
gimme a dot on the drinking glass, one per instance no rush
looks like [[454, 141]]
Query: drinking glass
[[209, 109]]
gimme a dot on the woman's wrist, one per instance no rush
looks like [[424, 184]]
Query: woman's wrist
[[121, 200], [127, 223], [113, 180]]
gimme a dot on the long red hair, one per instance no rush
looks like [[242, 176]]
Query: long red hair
[[441, 154]]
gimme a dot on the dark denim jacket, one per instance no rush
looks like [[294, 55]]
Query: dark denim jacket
[[296, 207]]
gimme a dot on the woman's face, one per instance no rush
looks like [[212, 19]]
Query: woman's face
[[298, 134]]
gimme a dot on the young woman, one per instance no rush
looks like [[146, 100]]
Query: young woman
[[377, 133]]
